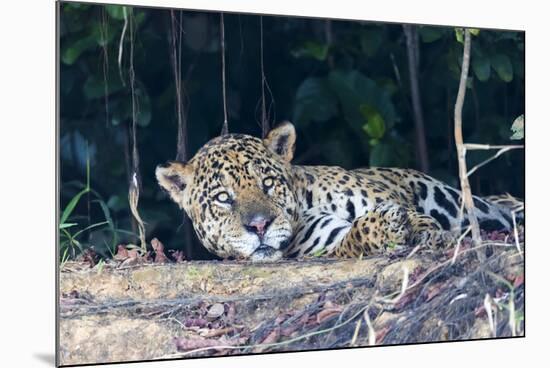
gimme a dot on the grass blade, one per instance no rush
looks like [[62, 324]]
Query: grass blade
[[89, 227], [67, 225], [71, 206]]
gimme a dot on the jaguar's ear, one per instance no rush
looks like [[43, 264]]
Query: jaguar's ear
[[282, 140], [174, 177]]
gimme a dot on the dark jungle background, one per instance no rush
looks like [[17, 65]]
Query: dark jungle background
[[346, 85]]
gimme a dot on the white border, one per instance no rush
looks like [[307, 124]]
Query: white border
[[27, 189]]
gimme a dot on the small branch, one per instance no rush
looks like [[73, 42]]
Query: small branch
[[412, 56], [225, 128], [487, 303], [500, 152], [370, 328], [476, 146], [457, 247], [356, 332], [395, 70], [516, 236], [461, 150], [404, 288]]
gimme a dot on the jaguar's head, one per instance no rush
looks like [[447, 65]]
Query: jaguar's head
[[238, 192]]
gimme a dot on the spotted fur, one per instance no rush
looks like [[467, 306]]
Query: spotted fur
[[246, 200]]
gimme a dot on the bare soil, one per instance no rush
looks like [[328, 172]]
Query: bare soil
[[113, 312]]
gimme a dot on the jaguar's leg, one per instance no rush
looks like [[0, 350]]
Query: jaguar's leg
[[387, 225], [427, 231]]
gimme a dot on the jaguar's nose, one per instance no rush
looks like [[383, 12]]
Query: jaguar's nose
[[258, 224]]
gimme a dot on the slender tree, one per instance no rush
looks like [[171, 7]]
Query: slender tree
[[411, 36], [467, 200]]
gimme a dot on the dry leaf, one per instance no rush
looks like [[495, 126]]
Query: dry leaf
[[273, 336], [215, 311], [158, 247], [121, 253], [218, 332], [327, 313]]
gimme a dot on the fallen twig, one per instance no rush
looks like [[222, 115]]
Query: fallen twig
[[270, 345]]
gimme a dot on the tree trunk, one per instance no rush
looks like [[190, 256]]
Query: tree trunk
[[420, 131]]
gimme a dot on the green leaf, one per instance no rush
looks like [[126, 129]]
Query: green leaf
[[319, 252], [75, 6], [518, 128], [116, 203], [473, 31], [94, 87], [122, 111], [89, 227], [389, 153], [99, 266], [115, 11], [371, 40], [74, 201], [375, 126], [70, 53], [373, 141], [355, 89], [430, 34], [482, 68], [314, 102], [71, 206], [503, 66], [67, 225], [106, 212], [311, 49], [381, 155], [459, 34]]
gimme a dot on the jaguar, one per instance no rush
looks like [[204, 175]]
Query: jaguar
[[246, 200]]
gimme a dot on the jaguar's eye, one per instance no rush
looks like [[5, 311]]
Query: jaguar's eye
[[223, 197], [268, 182]]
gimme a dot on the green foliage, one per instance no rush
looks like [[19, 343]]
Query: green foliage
[[69, 240], [350, 102], [503, 66], [116, 11], [371, 40], [311, 49], [518, 128], [482, 68], [430, 34], [375, 125], [314, 102], [74, 201]]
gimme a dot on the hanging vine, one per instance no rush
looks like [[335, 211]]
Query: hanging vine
[[266, 117], [225, 128], [135, 181], [265, 123], [175, 39], [104, 35]]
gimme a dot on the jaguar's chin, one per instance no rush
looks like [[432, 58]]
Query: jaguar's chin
[[265, 253]]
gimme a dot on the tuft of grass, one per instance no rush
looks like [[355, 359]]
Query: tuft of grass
[[69, 233]]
